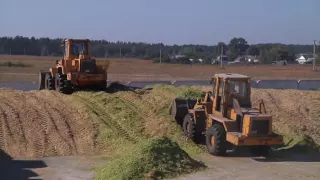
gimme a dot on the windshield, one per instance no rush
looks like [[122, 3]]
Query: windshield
[[78, 48], [238, 88]]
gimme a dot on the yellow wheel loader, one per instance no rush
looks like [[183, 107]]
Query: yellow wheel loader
[[226, 117], [76, 70]]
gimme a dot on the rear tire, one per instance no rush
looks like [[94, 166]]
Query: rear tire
[[178, 110], [49, 82], [216, 140], [62, 84], [189, 127]]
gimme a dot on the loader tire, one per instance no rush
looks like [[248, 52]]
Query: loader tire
[[216, 140], [62, 85], [189, 127], [178, 110], [49, 82], [42, 79]]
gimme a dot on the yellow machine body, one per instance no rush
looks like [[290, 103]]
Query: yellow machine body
[[227, 110], [77, 68]]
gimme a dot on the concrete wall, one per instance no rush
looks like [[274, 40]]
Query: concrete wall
[[191, 83], [309, 84], [277, 84], [259, 84]]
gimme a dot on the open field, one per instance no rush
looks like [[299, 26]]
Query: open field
[[128, 126], [134, 70]]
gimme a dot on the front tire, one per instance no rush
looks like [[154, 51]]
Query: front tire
[[62, 85], [216, 140], [189, 127], [178, 110], [49, 82]]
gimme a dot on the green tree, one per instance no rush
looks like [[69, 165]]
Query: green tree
[[219, 47], [44, 46], [253, 50], [236, 47]]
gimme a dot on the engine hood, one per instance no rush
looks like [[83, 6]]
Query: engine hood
[[254, 113]]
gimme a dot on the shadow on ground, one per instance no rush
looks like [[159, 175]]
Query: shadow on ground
[[303, 151], [115, 87], [18, 169], [283, 155]]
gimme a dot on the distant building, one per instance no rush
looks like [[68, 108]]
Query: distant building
[[245, 60], [252, 59], [240, 59], [217, 59], [305, 58], [177, 56]]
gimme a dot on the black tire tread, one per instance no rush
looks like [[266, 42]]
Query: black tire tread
[[220, 147], [189, 119], [49, 82], [64, 87]]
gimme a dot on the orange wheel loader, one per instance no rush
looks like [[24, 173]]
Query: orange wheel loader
[[225, 117], [76, 70]]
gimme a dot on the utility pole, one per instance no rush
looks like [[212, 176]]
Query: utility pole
[[221, 56], [160, 55], [120, 53], [314, 56]]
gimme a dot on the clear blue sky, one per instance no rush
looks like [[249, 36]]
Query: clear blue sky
[[167, 21]]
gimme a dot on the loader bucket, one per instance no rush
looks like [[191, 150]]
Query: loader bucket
[[179, 108], [41, 83], [103, 64]]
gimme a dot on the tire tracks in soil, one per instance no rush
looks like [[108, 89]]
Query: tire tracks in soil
[[33, 126], [19, 125], [34, 145], [13, 131], [79, 128], [106, 119], [4, 127], [54, 116]]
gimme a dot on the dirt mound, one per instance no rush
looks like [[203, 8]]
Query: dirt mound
[[43, 123], [156, 158], [125, 118], [294, 112], [47, 123]]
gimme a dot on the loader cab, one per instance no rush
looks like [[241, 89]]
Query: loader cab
[[226, 87], [76, 49]]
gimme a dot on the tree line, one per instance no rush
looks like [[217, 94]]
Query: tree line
[[237, 46]]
